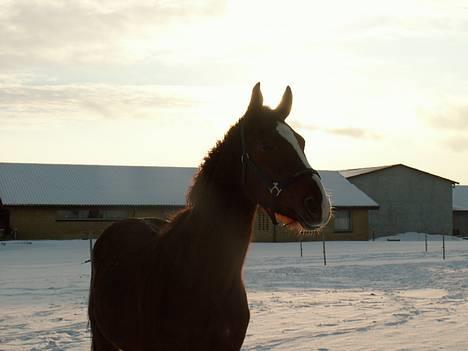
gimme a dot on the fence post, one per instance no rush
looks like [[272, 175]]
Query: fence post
[[425, 241], [91, 252], [443, 246], [324, 250]]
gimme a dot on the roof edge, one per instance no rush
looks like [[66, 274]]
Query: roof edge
[[93, 205], [93, 165], [357, 207], [377, 169]]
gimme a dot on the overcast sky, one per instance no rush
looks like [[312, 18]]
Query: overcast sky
[[158, 82]]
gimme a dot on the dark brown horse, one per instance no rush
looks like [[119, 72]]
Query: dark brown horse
[[178, 285]]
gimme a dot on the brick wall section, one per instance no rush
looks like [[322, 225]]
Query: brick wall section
[[262, 233], [33, 223]]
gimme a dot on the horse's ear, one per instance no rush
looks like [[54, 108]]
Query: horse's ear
[[284, 106], [256, 100]]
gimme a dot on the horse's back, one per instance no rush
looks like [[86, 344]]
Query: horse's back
[[126, 237]]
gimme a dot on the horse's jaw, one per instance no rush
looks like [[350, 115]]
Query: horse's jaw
[[297, 226]]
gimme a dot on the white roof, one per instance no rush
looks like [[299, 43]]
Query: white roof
[[343, 193], [460, 198], [46, 184], [51, 184]]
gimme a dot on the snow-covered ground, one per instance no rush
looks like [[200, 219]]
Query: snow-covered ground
[[382, 295]]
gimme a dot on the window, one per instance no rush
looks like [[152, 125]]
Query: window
[[263, 222], [93, 214], [342, 220]]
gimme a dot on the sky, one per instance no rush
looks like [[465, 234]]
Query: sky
[[158, 82]]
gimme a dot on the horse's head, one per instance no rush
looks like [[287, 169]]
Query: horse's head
[[276, 173]]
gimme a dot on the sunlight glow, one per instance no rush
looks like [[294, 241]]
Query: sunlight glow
[[373, 82]]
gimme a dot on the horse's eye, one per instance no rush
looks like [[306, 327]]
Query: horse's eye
[[302, 145], [265, 147], [301, 142]]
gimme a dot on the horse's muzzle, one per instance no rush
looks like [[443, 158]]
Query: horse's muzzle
[[313, 208], [316, 212]]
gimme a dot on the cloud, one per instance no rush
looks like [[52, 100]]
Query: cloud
[[91, 101], [83, 31], [357, 133], [300, 125], [448, 122], [457, 143], [451, 117], [350, 132], [409, 24]]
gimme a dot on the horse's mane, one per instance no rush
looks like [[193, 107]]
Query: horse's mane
[[211, 170]]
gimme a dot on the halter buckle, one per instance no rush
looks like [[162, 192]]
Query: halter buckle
[[275, 190], [244, 157]]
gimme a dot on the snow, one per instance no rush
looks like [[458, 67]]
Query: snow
[[378, 295], [56, 184], [343, 193], [413, 236]]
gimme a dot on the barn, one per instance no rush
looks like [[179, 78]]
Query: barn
[[47, 201], [410, 200], [50, 201], [460, 210]]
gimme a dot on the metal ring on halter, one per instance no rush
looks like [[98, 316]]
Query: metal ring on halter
[[275, 190]]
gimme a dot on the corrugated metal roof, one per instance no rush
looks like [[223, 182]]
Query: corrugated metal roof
[[51, 184], [350, 173], [460, 198], [46, 184]]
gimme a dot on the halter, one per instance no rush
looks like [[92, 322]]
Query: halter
[[274, 187]]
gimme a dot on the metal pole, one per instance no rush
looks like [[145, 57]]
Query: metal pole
[[425, 240], [443, 246], [324, 250], [91, 253], [300, 244]]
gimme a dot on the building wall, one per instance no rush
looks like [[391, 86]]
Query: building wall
[[360, 227], [409, 201], [460, 223], [32, 223], [265, 231]]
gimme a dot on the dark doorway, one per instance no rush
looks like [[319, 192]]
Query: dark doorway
[[4, 223]]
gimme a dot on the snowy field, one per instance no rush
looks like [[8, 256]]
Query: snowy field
[[378, 295]]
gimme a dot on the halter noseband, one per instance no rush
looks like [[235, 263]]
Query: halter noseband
[[274, 187]]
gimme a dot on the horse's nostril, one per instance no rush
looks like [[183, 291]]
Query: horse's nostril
[[313, 207], [310, 203]]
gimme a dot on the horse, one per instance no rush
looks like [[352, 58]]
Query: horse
[[177, 285]]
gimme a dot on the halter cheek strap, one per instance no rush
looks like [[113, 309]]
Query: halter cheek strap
[[274, 187]]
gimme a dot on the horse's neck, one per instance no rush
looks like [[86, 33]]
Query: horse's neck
[[221, 209], [226, 221]]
